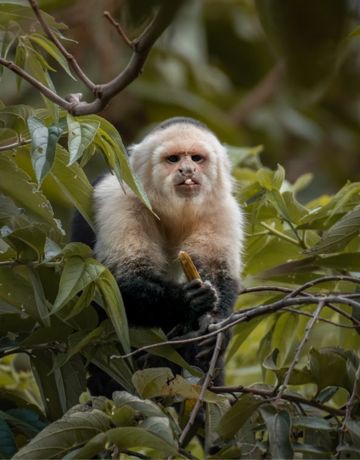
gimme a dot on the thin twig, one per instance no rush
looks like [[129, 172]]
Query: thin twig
[[324, 279], [270, 394], [37, 84], [249, 314], [323, 320], [104, 92], [68, 56], [348, 408], [120, 30], [300, 348], [14, 145], [204, 387]]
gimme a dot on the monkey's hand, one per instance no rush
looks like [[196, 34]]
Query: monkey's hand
[[205, 348], [201, 297]]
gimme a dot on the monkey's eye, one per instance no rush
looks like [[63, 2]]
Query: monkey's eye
[[173, 158], [197, 158]]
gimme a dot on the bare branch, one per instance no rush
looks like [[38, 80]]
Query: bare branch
[[323, 320], [141, 47], [68, 56], [348, 408], [251, 313], [270, 394], [324, 279], [205, 385], [300, 348], [14, 145], [120, 30], [37, 84]]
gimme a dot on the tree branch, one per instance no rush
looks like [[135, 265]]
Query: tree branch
[[205, 385], [251, 313], [14, 145], [119, 29], [270, 394], [300, 348], [348, 408], [37, 84], [68, 56], [141, 48]]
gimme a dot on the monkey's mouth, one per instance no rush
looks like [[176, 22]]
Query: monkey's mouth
[[189, 182], [188, 185]]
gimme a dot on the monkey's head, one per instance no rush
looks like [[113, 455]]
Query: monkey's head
[[181, 159]]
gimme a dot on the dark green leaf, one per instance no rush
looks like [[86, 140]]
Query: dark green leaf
[[44, 142], [52, 50], [57, 439], [145, 407], [278, 424], [140, 337], [76, 276], [127, 438], [339, 235], [114, 306], [72, 183], [7, 440], [238, 415]]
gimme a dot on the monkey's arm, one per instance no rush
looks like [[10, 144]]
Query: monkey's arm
[[153, 301]]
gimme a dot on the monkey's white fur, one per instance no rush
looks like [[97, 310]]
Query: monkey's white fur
[[208, 225]]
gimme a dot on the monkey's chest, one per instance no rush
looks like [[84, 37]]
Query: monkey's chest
[[174, 271]]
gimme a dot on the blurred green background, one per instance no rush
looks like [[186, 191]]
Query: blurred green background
[[294, 90]]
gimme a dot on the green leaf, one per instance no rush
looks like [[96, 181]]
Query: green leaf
[[72, 183], [81, 135], [44, 142], [150, 382], [312, 422], [238, 415], [77, 342], [52, 50], [59, 438], [76, 276], [140, 337], [339, 235], [103, 356], [146, 407], [110, 143], [16, 291], [320, 363], [160, 426], [278, 424], [15, 183], [128, 438], [114, 306], [42, 303]]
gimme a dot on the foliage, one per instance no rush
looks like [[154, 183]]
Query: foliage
[[292, 366]]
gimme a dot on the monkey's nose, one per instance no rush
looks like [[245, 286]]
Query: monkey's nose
[[187, 171]]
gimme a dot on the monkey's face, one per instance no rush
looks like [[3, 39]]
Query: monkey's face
[[185, 171], [181, 162]]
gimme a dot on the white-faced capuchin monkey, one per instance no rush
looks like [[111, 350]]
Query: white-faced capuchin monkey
[[185, 172]]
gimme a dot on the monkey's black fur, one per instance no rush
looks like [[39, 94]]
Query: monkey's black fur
[[151, 300]]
